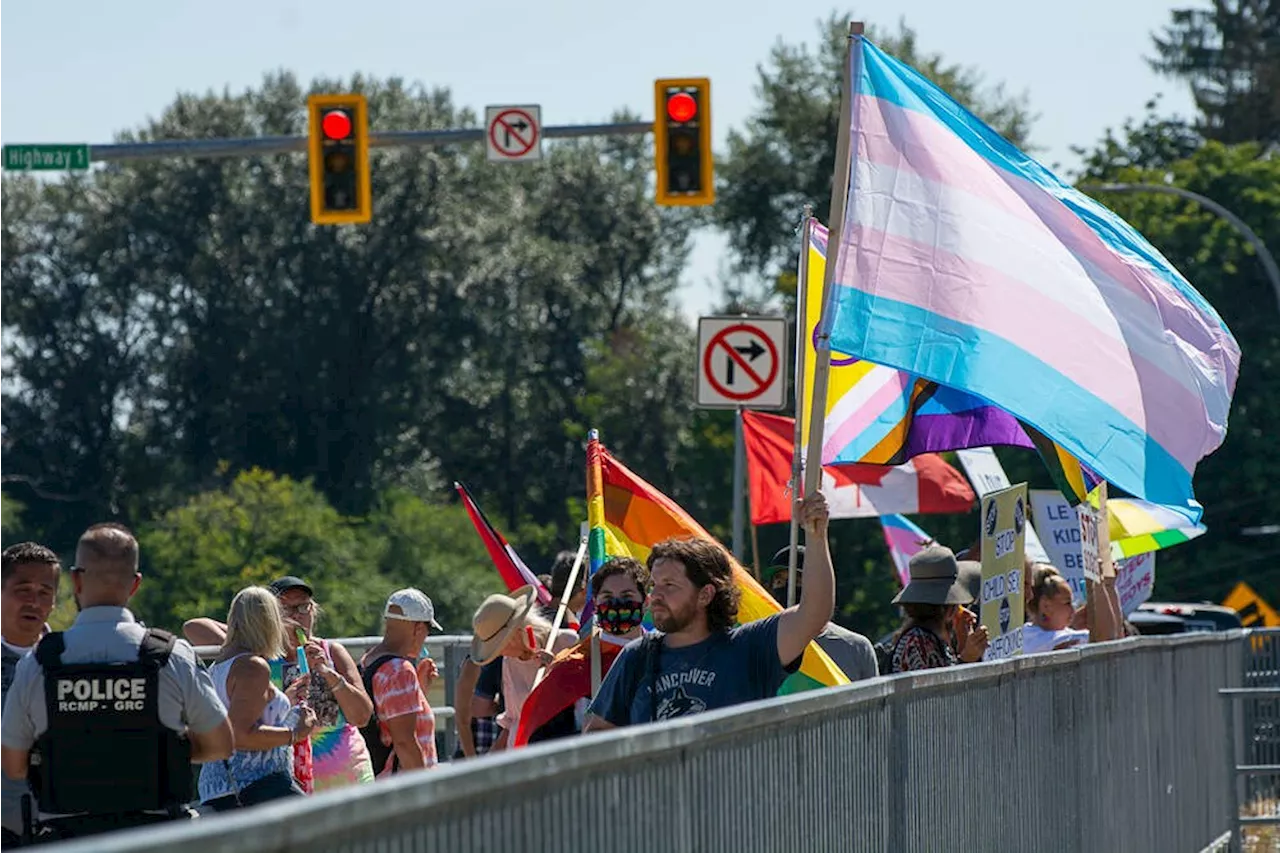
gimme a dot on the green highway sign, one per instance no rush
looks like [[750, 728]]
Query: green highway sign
[[45, 158]]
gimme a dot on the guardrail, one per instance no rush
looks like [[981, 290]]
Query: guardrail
[[1114, 747], [1252, 714]]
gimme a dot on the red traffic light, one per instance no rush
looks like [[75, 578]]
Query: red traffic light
[[336, 124], [682, 107]]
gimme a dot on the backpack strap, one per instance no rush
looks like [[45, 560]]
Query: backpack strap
[[650, 653], [49, 651], [156, 646], [654, 660], [372, 670], [370, 731]]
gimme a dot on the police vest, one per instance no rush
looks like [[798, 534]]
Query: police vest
[[105, 750]]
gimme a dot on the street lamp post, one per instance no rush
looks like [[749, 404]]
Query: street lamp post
[[1264, 255]]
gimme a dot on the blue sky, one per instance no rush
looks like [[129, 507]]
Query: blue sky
[[79, 71]]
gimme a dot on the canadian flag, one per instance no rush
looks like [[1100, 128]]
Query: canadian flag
[[924, 484]]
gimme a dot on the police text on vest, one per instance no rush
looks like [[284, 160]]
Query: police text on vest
[[90, 694]]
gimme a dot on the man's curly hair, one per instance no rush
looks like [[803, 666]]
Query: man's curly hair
[[705, 562]]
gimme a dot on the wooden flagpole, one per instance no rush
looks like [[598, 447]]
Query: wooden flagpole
[[802, 349], [755, 551], [839, 196], [564, 605]]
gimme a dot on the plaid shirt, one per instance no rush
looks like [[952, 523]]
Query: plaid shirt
[[484, 732]]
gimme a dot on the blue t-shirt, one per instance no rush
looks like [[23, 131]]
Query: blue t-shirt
[[740, 665]]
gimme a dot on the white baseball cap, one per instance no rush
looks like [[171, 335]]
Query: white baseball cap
[[414, 607]]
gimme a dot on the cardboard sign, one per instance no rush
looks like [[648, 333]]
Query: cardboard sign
[[1004, 530], [1135, 578], [1090, 563], [1057, 521]]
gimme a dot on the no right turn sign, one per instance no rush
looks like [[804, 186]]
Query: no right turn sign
[[740, 362]]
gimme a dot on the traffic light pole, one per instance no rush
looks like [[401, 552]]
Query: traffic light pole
[[255, 146]]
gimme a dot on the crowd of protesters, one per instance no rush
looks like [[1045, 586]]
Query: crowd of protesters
[[130, 729]]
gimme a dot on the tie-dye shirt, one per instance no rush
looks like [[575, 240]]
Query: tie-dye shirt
[[397, 692], [339, 756]]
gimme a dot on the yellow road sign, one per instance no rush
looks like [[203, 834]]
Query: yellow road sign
[[1254, 612]]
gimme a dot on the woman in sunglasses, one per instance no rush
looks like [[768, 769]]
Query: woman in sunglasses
[[336, 754]]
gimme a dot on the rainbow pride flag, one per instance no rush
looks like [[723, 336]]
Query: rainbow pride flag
[[626, 517], [963, 261], [1138, 527]]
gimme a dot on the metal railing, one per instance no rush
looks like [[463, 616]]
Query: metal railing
[[1114, 747], [1252, 714]]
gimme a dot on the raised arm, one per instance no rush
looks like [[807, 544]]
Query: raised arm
[[204, 631], [798, 625]]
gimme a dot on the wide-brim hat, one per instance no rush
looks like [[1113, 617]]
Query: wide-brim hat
[[934, 579], [969, 575], [497, 618]]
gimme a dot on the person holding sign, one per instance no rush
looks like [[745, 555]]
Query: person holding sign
[[935, 616]]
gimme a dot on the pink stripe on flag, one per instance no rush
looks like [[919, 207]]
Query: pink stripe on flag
[[1143, 393], [904, 139], [896, 384]]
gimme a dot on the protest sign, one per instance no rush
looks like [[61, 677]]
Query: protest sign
[[1004, 529]]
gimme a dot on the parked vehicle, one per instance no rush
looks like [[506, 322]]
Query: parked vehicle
[[1198, 616], [1155, 624]]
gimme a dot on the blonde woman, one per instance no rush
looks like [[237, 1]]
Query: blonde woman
[[263, 724], [336, 754], [1049, 626]]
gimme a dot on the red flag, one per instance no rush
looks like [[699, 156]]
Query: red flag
[[567, 680], [515, 573], [925, 484]]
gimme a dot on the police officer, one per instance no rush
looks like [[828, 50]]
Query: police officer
[[106, 718]]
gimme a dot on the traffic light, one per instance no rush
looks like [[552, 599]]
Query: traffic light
[[339, 154], [682, 133]]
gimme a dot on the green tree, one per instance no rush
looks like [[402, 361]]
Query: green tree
[[10, 518], [261, 526], [1230, 56], [164, 316], [431, 546], [785, 156], [1155, 142], [79, 350]]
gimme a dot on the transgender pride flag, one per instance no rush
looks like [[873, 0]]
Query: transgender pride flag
[[962, 261], [905, 540]]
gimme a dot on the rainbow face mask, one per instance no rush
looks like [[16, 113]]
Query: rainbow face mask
[[619, 616]]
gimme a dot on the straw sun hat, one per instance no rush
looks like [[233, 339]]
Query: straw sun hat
[[496, 620]]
